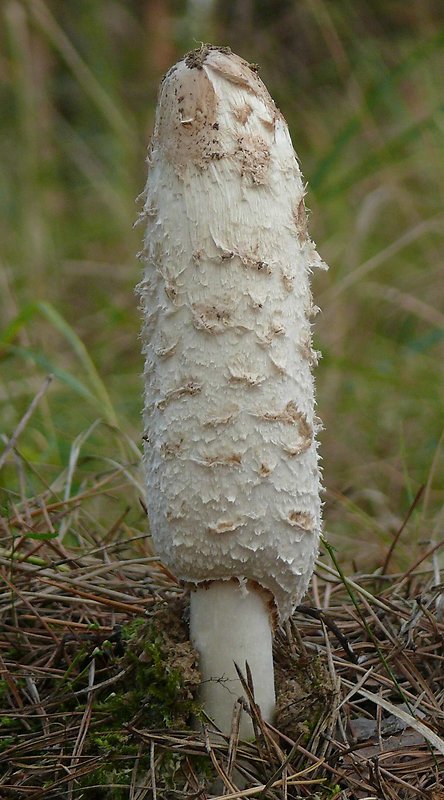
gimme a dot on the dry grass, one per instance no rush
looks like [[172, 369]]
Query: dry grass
[[97, 676], [359, 85], [99, 680]]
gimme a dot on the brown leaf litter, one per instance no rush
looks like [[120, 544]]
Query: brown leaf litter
[[99, 682]]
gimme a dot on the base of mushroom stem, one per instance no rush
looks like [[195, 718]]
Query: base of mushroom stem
[[231, 621]]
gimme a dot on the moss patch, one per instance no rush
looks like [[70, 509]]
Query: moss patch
[[304, 694]]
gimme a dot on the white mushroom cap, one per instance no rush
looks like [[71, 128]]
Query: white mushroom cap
[[230, 456]]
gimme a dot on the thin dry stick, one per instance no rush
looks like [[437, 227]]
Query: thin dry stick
[[33, 691], [7, 677], [278, 772], [26, 602], [132, 789], [259, 725], [355, 586], [234, 739], [401, 529], [295, 780], [84, 725], [405, 767], [132, 609], [421, 559], [228, 783], [25, 419], [153, 771], [426, 732]]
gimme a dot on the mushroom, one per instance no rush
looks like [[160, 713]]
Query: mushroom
[[230, 453]]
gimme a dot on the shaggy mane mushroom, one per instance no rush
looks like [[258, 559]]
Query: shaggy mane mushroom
[[230, 457]]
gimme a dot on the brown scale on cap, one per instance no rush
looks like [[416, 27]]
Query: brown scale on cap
[[301, 520], [228, 460], [300, 218], [213, 318], [190, 388]]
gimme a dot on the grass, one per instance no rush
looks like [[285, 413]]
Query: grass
[[366, 119], [99, 679], [360, 88]]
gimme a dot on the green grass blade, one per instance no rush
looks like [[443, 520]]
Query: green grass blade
[[98, 392], [90, 85], [390, 153], [65, 329], [374, 97], [48, 366]]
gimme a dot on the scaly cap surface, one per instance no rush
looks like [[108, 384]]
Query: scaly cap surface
[[230, 456]]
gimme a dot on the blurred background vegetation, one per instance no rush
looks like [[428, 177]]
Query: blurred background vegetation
[[361, 86]]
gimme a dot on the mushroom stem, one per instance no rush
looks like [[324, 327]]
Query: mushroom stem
[[231, 623], [230, 426]]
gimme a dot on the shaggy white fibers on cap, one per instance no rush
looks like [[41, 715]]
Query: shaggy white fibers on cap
[[231, 460]]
